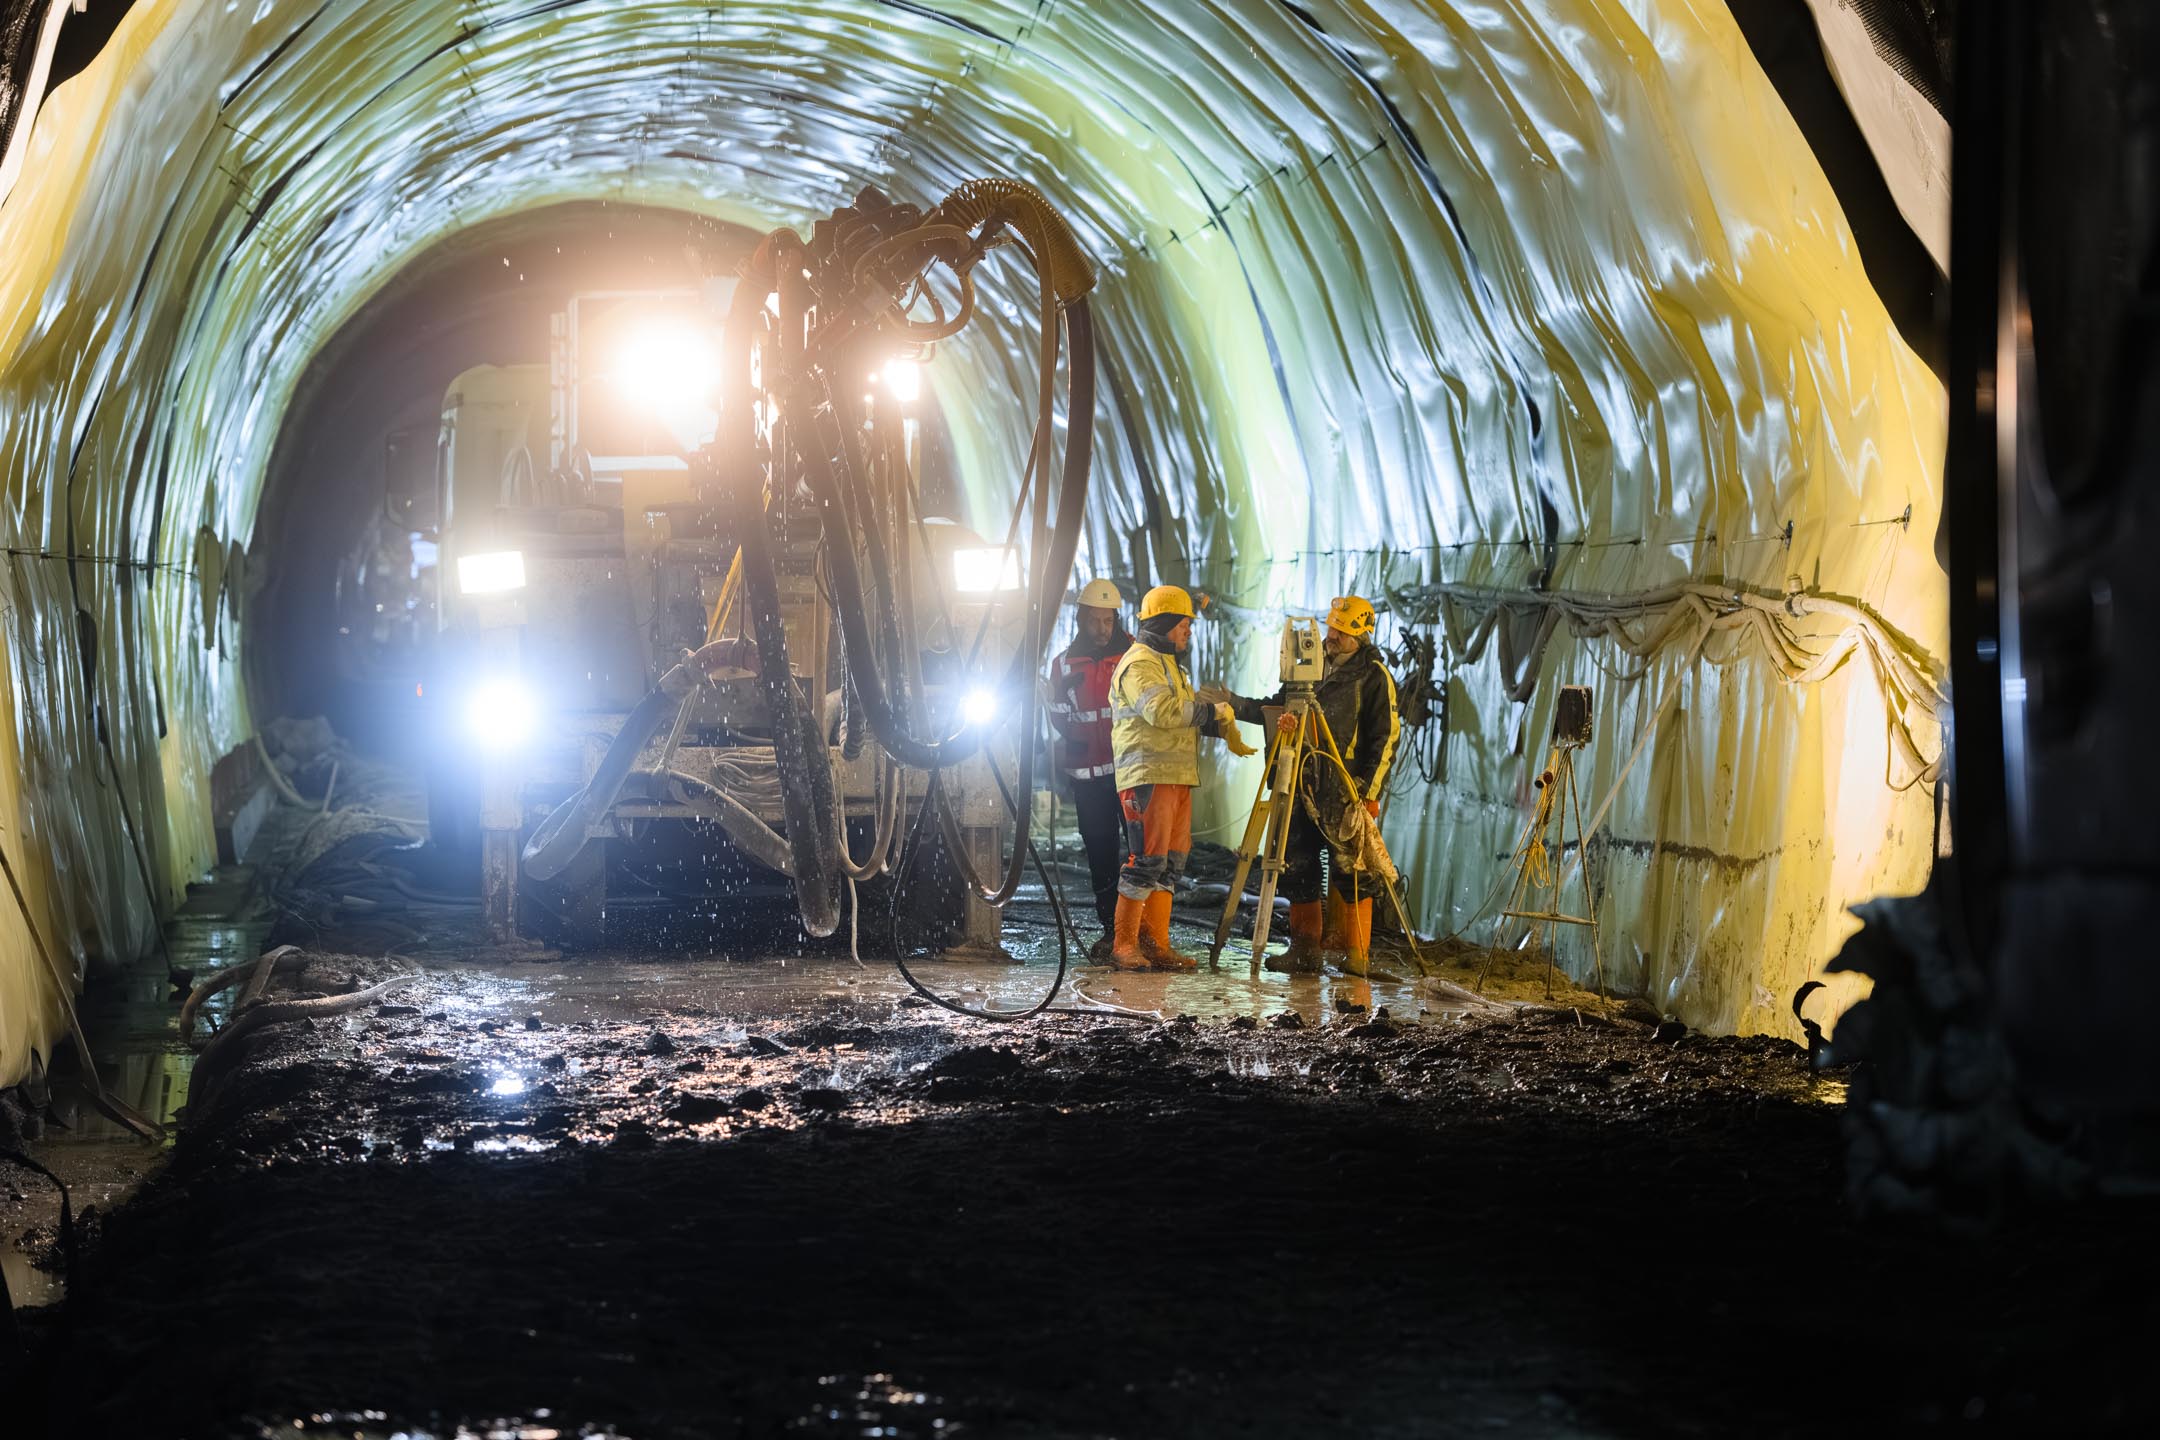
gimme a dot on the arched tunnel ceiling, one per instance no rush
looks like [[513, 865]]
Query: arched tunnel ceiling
[[1466, 306]]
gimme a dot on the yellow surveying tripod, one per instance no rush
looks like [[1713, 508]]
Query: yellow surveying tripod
[[1267, 825]]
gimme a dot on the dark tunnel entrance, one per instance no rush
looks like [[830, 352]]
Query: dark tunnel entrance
[[351, 508], [488, 387]]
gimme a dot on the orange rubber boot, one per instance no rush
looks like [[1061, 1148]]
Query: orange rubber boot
[[1155, 936], [1125, 951], [1303, 956], [1357, 937], [1335, 938]]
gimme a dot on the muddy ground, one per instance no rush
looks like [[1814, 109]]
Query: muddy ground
[[844, 1214], [677, 1195]]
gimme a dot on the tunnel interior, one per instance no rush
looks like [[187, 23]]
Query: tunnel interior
[[543, 534], [1497, 315]]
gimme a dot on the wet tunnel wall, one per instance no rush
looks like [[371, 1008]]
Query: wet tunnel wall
[[1534, 320]]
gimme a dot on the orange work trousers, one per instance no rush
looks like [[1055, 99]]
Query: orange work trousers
[[1158, 838]]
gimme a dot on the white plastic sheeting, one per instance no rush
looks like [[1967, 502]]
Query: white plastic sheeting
[[1384, 285]]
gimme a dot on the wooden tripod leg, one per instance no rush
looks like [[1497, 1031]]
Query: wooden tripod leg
[[1514, 901], [1563, 781], [1229, 909], [1289, 759], [1582, 862], [1271, 867], [1402, 915], [1256, 821]]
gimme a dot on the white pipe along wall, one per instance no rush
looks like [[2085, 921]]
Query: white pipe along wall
[[1533, 320]]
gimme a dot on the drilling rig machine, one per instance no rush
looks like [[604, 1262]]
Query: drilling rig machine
[[754, 667]]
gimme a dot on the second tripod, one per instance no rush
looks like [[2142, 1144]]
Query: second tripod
[[1537, 875]]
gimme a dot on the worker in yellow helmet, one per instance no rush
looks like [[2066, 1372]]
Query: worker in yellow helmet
[[1156, 722], [1357, 698]]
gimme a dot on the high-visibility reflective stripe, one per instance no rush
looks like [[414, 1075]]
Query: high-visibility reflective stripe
[[1091, 772], [1196, 713], [1394, 733]]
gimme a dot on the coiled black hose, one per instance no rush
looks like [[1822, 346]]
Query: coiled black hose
[[1055, 561]]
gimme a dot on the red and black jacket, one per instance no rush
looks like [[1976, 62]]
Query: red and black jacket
[[1080, 706]]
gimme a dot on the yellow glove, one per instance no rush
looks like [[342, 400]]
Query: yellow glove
[[1226, 723]]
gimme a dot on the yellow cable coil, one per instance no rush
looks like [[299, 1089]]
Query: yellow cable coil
[[1071, 273], [1535, 860]]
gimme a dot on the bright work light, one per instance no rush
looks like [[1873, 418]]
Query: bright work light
[[979, 706], [501, 713], [493, 573], [979, 570], [904, 379], [667, 367]]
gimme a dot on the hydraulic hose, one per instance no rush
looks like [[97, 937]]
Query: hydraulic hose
[[800, 756], [757, 839], [562, 837], [1060, 544], [799, 752], [1037, 220], [853, 609], [890, 792]]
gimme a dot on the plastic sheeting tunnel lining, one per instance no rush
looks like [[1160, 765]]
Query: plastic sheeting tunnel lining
[[1315, 370]]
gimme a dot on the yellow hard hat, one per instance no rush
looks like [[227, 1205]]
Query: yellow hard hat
[[1165, 600], [1101, 595], [1350, 615]]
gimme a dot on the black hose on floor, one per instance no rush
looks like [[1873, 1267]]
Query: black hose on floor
[[1043, 1006]]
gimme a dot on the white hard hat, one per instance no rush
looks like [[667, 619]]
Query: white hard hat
[[1101, 594]]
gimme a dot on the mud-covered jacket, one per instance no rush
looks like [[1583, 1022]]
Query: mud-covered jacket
[[1357, 697], [1155, 720], [1080, 705]]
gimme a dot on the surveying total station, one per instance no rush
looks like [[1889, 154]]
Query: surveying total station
[[1290, 749]]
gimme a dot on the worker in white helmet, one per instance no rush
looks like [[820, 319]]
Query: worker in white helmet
[[1357, 697], [1079, 705], [1156, 722]]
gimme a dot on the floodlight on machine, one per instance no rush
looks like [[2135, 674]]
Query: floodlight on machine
[[980, 570], [501, 713], [496, 572], [667, 368], [666, 364], [903, 379], [980, 706]]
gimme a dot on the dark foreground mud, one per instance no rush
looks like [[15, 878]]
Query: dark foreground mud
[[860, 1218]]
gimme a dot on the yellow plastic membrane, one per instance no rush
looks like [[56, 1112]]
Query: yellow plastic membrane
[[1380, 283]]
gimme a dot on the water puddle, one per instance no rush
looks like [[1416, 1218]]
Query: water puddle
[[373, 1425], [132, 1019], [1827, 1090]]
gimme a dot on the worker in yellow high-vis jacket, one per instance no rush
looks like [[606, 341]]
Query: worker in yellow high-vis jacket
[[1156, 723], [1357, 697]]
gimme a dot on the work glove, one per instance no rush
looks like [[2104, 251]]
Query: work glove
[[1226, 726], [1215, 694]]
